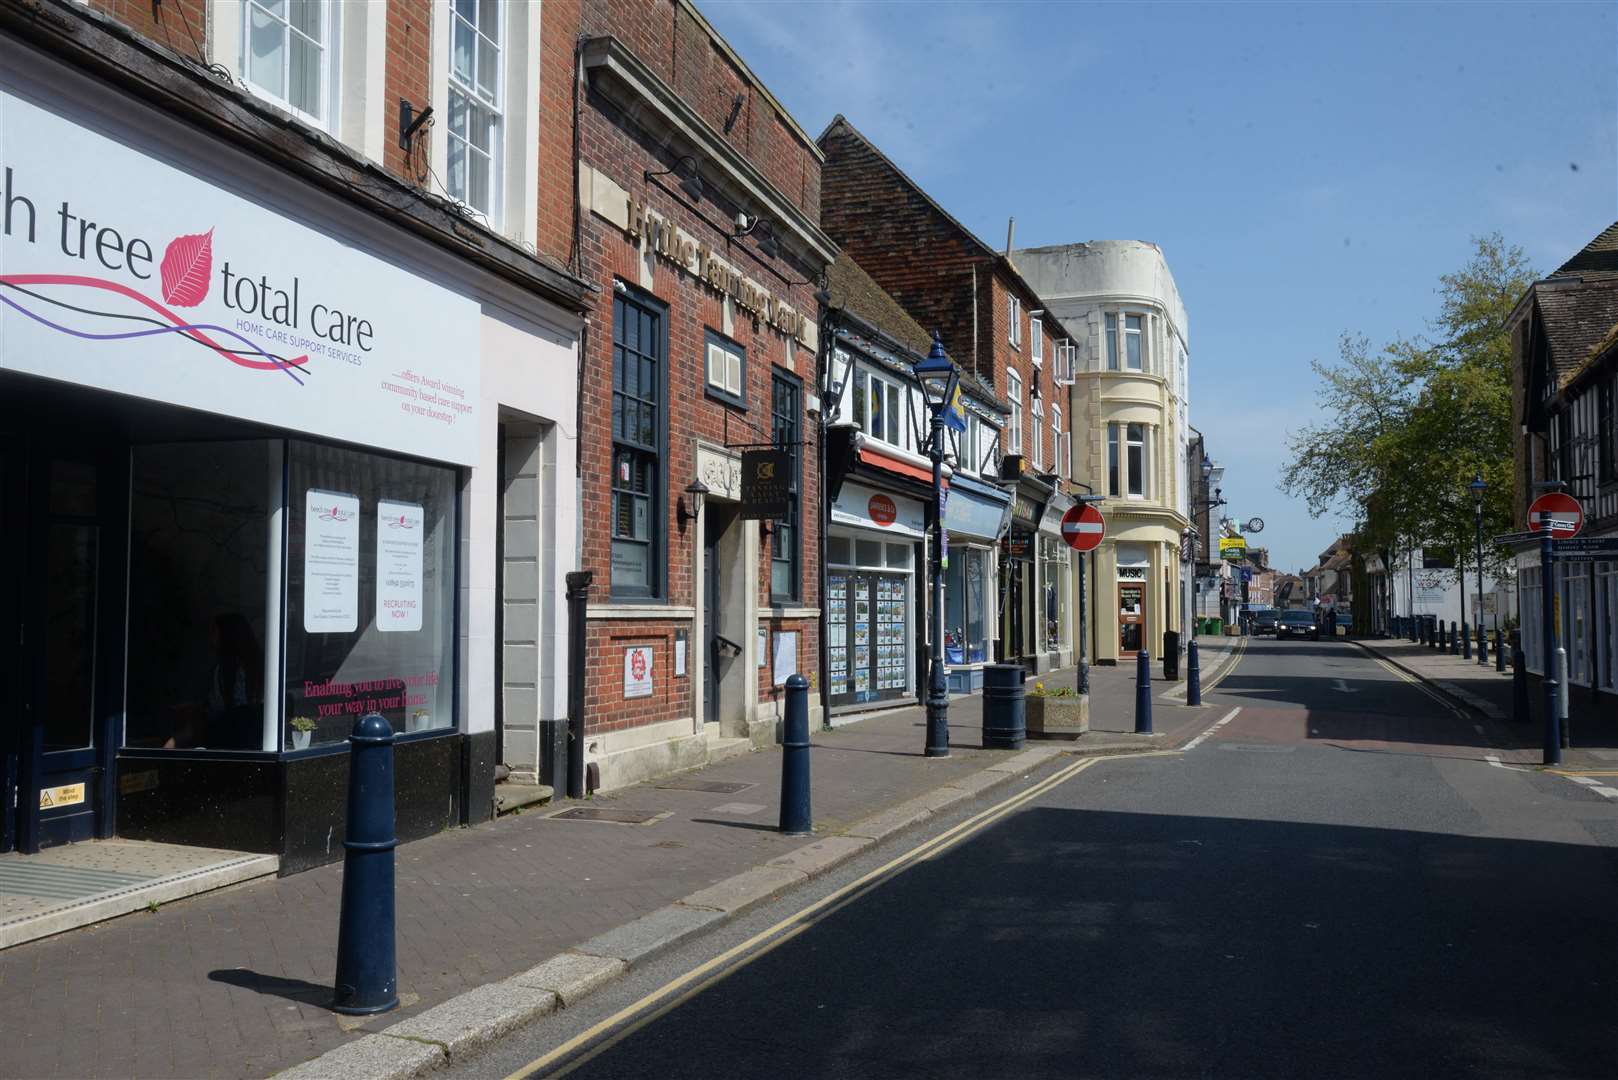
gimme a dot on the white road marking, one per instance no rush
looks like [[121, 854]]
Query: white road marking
[[1587, 781], [1494, 759], [1227, 718], [1611, 793], [1342, 687]]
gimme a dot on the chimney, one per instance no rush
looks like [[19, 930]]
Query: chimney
[[1011, 232]]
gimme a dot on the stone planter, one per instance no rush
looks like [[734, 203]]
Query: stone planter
[[1058, 717]]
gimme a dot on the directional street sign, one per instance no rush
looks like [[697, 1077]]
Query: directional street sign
[[1083, 527], [1587, 549], [1507, 539], [1559, 513]]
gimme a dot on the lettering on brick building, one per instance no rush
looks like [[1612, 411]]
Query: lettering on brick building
[[695, 257]]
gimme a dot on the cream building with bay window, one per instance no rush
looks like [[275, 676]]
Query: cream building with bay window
[[1129, 412]]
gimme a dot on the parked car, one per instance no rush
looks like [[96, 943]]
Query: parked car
[[1298, 624], [1265, 620]]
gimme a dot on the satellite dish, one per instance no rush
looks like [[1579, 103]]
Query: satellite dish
[[1254, 525]]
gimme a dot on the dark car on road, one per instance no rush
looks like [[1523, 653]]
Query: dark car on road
[[1298, 624], [1264, 621]]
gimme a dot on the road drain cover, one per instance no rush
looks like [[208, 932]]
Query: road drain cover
[[718, 787], [616, 817]]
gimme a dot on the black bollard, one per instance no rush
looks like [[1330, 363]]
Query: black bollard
[[1454, 634], [1519, 684], [367, 980], [1466, 643], [1483, 645], [1499, 652], [1193, 675], [1143, 693], [795, 758]]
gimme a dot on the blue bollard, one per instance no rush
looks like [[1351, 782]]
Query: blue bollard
[[1466, 644], [367, 978], [1143, 693], [1499, 651], [795, 758], [1193, 675], [1452, 634]]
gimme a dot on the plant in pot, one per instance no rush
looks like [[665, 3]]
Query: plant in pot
[[420, 720], [303, 729], [1057, 711]]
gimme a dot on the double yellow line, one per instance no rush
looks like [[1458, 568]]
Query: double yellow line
[[1400, 673], [671, 995]]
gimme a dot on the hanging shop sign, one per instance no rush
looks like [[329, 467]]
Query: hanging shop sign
[[866, 508], [766, 484], [124, 272], [974, 513], [1018, 544], [1233, 548]]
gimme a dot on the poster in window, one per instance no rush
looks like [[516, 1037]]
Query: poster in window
[[331, 562], [399, 538], [786, 656], [638, 671]]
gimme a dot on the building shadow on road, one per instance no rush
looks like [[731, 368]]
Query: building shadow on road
[[1080, 943]]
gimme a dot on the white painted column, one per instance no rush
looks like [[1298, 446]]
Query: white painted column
[[273, 577]]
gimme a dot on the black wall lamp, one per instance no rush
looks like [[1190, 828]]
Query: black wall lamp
[[684, 170], [697, 490], [767, 243]]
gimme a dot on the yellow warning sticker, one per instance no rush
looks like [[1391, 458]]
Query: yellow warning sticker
[[67, 795]]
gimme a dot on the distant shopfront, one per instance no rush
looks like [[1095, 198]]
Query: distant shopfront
[[235, 443], [976, 518], [872, 550]]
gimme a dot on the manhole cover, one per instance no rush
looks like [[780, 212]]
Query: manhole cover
[[616, 817], [718, 787]]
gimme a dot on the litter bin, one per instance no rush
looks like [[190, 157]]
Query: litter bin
[[1171, 654], [1005, 706]]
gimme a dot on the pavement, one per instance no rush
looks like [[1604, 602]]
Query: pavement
[[1334, 882], [501, 924]]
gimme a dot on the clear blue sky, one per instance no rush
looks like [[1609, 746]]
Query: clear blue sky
[[1308, 169]]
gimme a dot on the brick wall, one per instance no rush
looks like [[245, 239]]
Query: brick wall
[[611, 144], [182, 25], [408, 76], [680, 49], [557, 80]]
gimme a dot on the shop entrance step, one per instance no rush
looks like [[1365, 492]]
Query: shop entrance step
[[510, 797]]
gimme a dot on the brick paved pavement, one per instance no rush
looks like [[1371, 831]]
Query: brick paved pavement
[[234, 983]]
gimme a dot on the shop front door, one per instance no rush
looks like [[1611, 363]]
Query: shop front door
[[1131, 618], [63, 610]]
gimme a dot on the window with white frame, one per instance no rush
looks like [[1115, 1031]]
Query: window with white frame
[[1112, 342], [879, 408], [1126, 460], [289, 54], [1036, 340], [1014, 393], [1036, 432], [1014, 316], [475, 152], [966, 445], [1056, 441], [726, 369], [1134, 343]]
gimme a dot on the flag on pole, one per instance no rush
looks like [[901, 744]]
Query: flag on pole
[[955, 415]]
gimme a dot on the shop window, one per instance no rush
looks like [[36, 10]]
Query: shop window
[[198, 556], [868, 552], [726, 369], [1055, 557], [290, 53], [965, 640], [899, 556], [370, 592], [473, 170], [638, 345], [786, 584], [839, 550]]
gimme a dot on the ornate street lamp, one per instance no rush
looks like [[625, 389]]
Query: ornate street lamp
[[938, 377], [1478, 487]]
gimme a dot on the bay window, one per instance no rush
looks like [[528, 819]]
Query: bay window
[[1126, 460], [1133, 347]]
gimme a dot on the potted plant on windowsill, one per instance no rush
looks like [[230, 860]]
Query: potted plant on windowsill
[[1057, 712], [420, 720], [303, 729]]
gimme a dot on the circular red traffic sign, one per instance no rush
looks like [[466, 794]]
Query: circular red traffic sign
[[1083, 527], [1559, 513]]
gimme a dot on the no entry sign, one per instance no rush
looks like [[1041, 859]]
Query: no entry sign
[[1083, 527], [1559, 513]]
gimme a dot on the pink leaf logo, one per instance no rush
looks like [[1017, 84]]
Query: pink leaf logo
[[187, 263]]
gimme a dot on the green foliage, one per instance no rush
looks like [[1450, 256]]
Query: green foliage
[[1409, 426]]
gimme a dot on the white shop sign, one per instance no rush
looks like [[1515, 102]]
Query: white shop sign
[[399, 538], [123, 272], [331, 562], [867, 508]]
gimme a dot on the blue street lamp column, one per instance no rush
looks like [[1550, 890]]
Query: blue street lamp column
[[938, 376], [1478, 486]]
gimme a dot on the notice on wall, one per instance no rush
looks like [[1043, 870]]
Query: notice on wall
[[399, 529], [763, 647], [786, 656], [331, 562], [638, 671]]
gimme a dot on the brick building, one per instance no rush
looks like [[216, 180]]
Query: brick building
[[698, 222], [994, 325], [287, 413]]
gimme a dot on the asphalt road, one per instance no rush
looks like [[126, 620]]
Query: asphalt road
[[1335, 882]]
